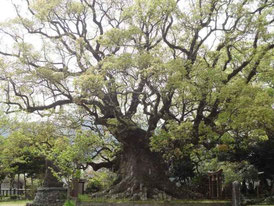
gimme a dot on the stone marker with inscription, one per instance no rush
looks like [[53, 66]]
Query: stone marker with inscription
[[236, 201]]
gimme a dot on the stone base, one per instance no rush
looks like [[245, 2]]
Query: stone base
[[49, 196]]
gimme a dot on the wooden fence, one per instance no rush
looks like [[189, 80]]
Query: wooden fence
[[11, 192]]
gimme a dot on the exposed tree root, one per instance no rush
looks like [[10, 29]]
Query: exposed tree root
[[143, 174], [132, 189]]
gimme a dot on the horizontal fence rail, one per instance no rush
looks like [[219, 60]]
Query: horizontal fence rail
[[11, 192]]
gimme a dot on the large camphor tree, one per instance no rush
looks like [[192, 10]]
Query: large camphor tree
[[175, 72]]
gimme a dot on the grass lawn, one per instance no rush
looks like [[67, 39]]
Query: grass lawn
[[14, 203], [86, 199]]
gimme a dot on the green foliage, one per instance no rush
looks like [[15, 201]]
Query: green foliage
[[44, 8], [29, 144], [261, 152], [14, 197], [101, 180], [182, 169], [174, 143], [69, 203], [232, 171], [18, 154], [84, 198], [70, 153], [94, 186], [75, 7], [196, 79]]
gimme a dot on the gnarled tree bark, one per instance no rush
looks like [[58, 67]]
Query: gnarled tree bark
[[142, 173]]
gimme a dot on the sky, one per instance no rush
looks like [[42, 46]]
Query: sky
[[6, 10]]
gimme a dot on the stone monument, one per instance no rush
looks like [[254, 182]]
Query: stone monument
[[52, 191]]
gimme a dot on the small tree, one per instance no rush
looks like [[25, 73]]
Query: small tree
[[72, 155]]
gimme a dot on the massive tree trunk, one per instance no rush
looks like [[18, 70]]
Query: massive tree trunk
[[143, 173]]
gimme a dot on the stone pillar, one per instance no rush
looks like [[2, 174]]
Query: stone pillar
[[236, 194], [52, 192]]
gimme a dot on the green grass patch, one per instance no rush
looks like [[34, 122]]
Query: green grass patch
[[14, 203], [86, 198], [69, 203]]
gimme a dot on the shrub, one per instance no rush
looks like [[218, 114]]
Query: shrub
[[69, 203], [14, 197], [94, 185], [101, 180]]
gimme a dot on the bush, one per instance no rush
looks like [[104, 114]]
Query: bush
[[69, 203], [14, 197], [30, 194], [94, 186], [84, 198], [269, 200], [200, 184], [101, 180]]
